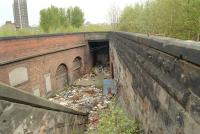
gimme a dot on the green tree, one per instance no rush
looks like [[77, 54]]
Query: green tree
[[50, 18], [75, 16], [54, 19], [174, 18]]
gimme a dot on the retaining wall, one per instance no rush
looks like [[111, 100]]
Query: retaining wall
[[159, 81]]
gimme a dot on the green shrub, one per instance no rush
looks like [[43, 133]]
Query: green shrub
[[115, 121]]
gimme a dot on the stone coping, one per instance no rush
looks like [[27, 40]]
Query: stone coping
[[182, 49], [50, 35], [14, 95]]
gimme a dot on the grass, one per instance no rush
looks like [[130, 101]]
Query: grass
[[8, 30]]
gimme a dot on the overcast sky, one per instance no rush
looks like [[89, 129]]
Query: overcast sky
[[95, 10]]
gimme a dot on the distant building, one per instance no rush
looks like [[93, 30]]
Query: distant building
[[9, 23], [20, 13], [8, 26]]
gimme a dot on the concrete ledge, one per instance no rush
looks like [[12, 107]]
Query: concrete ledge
[[186, 50], [11, 94], [97, 36]]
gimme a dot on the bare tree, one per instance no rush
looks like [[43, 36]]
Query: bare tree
[[113, 16]]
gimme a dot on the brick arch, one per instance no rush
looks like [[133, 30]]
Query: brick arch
[[77, 68], [61, 76], [77, 62]]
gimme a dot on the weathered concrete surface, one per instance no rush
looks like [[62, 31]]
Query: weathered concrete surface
[[22, 113], [156, 86], [97, 36]]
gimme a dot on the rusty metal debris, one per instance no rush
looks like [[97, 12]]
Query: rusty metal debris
[[86, 95]]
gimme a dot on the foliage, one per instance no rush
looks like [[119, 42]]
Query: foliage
[[53, 18], [9, 30], [175, 18], [75, 16], [115, 121]]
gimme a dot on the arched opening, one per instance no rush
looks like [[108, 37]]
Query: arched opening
[[77, 63], [61, 77], [77, 68]]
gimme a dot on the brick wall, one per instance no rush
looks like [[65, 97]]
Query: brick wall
[[16, 48], [42, 56]]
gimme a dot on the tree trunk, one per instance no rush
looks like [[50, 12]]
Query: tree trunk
[[198, 34]]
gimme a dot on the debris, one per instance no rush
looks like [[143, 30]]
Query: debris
[[109, 87], [86, 97]]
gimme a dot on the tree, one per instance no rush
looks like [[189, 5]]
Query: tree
[[50, 18], [174, 18], [130, 19], [54, 18], [113, 17], [75, 16]]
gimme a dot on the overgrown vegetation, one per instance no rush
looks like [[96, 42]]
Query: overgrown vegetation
[[115, 121], [175, 18], [10, 31]]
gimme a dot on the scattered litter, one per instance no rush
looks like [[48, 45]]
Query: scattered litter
[[86, 97]]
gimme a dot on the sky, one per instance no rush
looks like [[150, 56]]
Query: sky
[[95, 10]]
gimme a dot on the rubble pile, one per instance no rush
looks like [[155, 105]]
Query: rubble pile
[[87, 98]]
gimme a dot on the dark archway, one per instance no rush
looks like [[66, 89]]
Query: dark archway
[[99, 51], [61, 77]]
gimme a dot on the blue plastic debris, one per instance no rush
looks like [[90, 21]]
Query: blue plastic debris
[[109, 86]]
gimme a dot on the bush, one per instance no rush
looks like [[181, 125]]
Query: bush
[[115, 121]]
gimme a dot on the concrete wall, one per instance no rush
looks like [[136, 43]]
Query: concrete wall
[[22, 113], [159, 81]]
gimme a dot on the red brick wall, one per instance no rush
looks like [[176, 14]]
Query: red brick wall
[[17, 48], [44, 64]]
